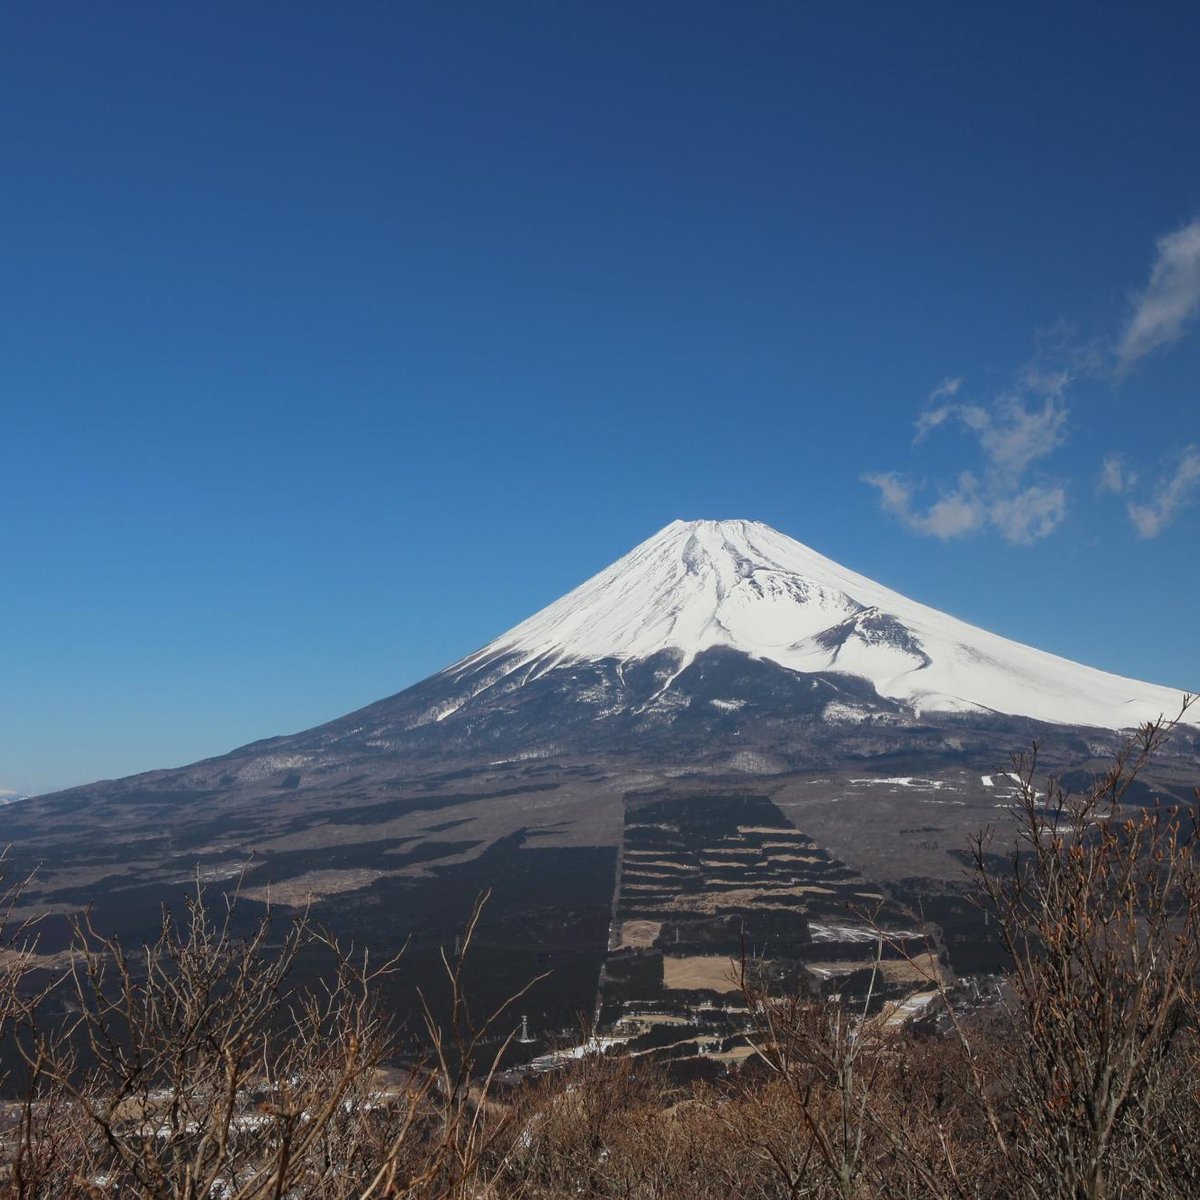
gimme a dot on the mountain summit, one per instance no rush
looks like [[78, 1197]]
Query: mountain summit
[[745, 587]]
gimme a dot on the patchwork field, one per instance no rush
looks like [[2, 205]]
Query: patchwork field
[[709, 880]]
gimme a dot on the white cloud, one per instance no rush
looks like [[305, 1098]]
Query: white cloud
[[956, 513], [1173, 493], [1169, 301], [895, 492], [1017, 429], [1023, 517], [1115, 476], [933, 417], [948, 387], [1030, 515], [1012, 432], [1010, 435]]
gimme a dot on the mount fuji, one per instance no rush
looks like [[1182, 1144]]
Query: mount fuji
[[725, 643], [741, 586], [718, 672]]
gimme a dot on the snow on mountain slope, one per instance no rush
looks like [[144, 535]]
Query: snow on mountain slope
[[741, 584]]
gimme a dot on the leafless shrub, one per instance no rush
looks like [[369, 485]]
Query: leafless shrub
[[1099, 912], [197, 1068], [851, 1106], [18, 946], [614, 1127], [40, 1135], [465, 1131]]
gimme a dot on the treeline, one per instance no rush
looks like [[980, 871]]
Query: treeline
[[194, 1068]]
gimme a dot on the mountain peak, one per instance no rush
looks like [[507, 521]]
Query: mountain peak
[[730, 527], [691, 586], [742, 585]]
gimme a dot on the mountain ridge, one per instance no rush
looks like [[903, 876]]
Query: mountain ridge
[[695, 585], [713, 641]]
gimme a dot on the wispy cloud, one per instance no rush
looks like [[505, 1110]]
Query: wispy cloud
[[1033, 513], [1012, 432], [946, 389], [957, 512], [1115, 476], [935, 414], [1162, 311], [999, 480], [1174, 491]]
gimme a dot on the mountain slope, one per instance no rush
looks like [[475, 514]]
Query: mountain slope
[[713, 645], [717, 664], [743, 586]]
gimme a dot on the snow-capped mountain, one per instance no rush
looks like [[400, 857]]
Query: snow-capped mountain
[[717, 663], [743, 586], [714, 647]]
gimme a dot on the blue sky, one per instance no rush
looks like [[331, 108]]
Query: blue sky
[[334, 340]]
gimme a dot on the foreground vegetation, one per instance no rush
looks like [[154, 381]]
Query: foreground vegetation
[[193, 1068]]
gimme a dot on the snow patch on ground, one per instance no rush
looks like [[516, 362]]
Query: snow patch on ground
[[910, 781], [848, 713], [846, 931], [272, 764], [752, 763]]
